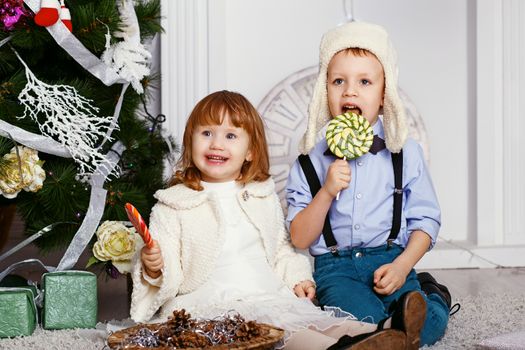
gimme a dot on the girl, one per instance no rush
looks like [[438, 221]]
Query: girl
[[220, 241]]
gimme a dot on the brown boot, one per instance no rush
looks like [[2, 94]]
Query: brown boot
[[409, 316], [388, 339]]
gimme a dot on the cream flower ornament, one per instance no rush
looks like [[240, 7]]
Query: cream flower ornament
[[117, 243], [24, 173]]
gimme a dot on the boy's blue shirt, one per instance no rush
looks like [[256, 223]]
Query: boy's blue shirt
[[362, 217]]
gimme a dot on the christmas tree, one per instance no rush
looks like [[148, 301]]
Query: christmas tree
[[46, 90]]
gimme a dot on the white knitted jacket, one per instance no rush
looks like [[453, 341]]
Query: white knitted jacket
[[190, 231]]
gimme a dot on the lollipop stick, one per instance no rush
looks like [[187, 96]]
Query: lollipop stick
[[349, 135], [338, 193]]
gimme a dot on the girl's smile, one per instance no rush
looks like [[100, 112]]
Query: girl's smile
[[216, 159]]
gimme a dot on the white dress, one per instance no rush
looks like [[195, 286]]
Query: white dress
[[243, 280]]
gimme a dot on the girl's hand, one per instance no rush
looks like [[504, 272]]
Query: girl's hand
[[305, 289], [338, 177], [152, 260]]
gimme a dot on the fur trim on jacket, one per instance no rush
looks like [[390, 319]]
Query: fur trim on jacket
[[190, 231]]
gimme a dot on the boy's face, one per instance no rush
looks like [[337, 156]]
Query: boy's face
[[355, 84]]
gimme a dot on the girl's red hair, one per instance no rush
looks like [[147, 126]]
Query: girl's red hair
[[211, 111]]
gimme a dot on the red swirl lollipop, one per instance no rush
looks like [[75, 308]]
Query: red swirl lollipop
[[139, 224]]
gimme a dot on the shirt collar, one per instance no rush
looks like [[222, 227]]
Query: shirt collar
[[378, 128]]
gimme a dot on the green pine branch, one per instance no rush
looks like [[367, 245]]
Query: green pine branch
[[5, 147], [63, 197], [92, 21], [148, 15]]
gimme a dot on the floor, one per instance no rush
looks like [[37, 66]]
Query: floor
[[114, 294], [464, 282]]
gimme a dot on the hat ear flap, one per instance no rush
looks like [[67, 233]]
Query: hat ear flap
[[394, 122], [317, 113]]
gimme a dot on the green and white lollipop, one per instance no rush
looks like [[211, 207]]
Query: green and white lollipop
[[349, 135]]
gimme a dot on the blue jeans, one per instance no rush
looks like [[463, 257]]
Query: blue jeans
[[346, 281]]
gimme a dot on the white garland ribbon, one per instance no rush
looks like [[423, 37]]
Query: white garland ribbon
[[79, 52], [29, 240], [116, 113], [5, 40], [39, 142], [97, 202]]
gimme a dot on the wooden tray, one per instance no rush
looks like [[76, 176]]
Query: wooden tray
[[271, 335]]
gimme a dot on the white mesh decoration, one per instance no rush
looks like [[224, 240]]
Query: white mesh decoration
[[128, 58], [70, 118]]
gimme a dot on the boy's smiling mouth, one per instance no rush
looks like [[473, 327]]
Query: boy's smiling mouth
[[348, 107]]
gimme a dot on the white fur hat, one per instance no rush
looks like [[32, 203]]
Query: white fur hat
[[375, 39]]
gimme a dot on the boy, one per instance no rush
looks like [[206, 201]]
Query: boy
[[358, 270]]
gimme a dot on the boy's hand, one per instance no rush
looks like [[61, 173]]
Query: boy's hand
[[338, 177], [152, 260], [305, 289], [389, 278]]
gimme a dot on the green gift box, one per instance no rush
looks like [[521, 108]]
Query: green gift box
[[70, 300], [66, 299], [18, 312]]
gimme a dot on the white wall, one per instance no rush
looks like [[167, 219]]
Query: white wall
[[265, 41], [459, 63]]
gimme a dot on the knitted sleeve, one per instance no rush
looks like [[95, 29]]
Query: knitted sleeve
[[290, 265], [147, 298]]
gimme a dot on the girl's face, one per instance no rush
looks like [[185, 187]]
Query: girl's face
[[355, 84], [219, 151]]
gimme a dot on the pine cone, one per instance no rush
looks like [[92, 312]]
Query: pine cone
[[181, 331], [164, 333], [190, 339], [247, 330], [180, 320]]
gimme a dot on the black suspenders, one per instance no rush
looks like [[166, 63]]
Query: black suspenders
[[315, 186], [397, 164]]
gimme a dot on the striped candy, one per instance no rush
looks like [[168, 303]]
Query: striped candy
[[140, 225], [349, 135]]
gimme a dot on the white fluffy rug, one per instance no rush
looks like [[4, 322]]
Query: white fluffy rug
[[481, 317]]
